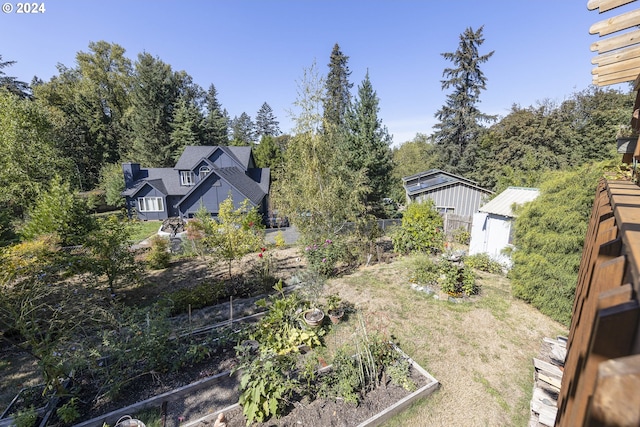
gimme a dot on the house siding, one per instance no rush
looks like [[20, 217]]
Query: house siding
[[149, 191], [209, 196], [464, 199], [222, 160]]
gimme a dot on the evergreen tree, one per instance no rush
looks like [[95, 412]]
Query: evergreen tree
[[368, 146], [152, 107], [459, 119], [337, 99], [268, 155], [266, 123], [12, 84], [242, 130], [216, 122], [186, 126]]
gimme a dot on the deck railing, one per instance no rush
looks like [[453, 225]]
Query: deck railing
[[601, 381]]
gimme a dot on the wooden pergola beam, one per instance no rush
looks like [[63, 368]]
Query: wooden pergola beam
[[617, 56], [604, 5], [616, 42], [616, 23]]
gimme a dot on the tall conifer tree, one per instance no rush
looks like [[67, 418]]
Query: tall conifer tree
[[337, 99], [216, 122], [152, 99], [459, 119], [368, 146], [266, 123]]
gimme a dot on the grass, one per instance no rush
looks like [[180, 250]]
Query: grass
[[144, 229], [480, 350]]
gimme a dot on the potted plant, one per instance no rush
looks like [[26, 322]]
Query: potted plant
[[335, 309], [313, 317]]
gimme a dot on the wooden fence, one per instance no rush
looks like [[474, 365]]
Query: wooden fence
[[601, 381]]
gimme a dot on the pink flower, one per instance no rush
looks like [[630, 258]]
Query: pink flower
[[324, 260], [260, 254]]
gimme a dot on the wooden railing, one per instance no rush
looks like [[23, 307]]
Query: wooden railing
[[601, 381]]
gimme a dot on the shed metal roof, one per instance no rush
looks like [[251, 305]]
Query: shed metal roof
[[502, 203]]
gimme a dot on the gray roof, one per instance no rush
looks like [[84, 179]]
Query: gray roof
[[192, 155], [242, 183], [166, 180], [502, 203], [435, 178]]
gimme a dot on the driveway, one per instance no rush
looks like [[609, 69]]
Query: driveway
[[290, 234]]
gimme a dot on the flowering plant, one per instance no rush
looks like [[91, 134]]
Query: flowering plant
[[323, 257]]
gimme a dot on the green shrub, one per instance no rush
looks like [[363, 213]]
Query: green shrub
[[549, 239], [461, 235], [483, 262], [26, 418], [426, 271], [159, 256], [457, 280], [202, 295], [68, 412], [420, 231], [322, 257]]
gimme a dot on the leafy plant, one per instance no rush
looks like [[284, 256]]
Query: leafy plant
[[457, 279], [323, 257], [279, 239], [202, 295], [60, 212], [483, 262], [280, 331], [399, 373], [265, 384], [159, 255], [68, 412], [420, 231], [461, 235], [426, 271], [26, 418]]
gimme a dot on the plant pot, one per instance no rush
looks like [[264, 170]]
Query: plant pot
[[313, 317], [335, 315]]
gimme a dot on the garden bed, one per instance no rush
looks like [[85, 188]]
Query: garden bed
[[201, 402]]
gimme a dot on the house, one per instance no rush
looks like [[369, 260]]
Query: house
[[452, 195], [203, 176], [492, 229]]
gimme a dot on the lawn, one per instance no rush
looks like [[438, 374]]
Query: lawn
[[480, 351], [144, 229]]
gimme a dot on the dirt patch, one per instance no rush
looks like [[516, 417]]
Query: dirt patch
[[336, 413], [190, 272]]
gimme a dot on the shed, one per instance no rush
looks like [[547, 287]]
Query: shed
[[451, 194], [492, 229]]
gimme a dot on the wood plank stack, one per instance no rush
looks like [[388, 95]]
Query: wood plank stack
[[547, 380]]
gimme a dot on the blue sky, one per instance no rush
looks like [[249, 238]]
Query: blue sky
[[255, 51]]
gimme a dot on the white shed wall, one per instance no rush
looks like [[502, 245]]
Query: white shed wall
[[490, 234]]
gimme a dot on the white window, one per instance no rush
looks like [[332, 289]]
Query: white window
[[186, 178], [150, 204], [445, 209], [204, 171]]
